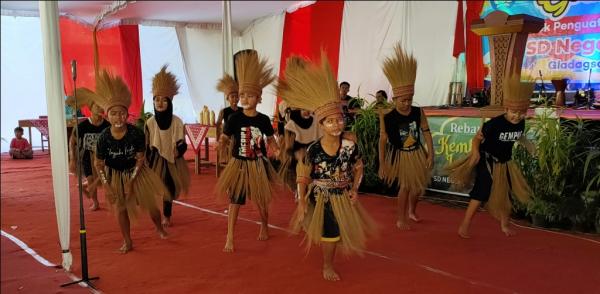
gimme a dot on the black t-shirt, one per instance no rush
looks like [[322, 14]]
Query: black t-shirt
[[404, 131], [228, 112], [88, 137], [499, 137], [120, 154], [336, 168], [249, 134]]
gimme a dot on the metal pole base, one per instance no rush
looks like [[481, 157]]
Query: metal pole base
[[85, 281]]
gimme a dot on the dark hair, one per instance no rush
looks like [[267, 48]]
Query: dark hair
[[19, 129], [383, 93], [345, 83]]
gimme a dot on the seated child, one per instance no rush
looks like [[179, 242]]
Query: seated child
[[19, 146]]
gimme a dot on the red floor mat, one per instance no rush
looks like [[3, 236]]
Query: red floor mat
[[429, 259]]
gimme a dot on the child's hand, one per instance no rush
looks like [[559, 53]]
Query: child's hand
[[474, 158], [353, 195], [429, 164], [128, 190]]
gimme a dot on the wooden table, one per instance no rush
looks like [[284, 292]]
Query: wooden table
[[34, 122]]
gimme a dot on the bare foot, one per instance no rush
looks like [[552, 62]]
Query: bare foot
[[264, 233], [162, 233], [402, 225], [414, 217], [166, 222], [463, 232], [228, 245], [508, 231], [125, 248], [329, 274]]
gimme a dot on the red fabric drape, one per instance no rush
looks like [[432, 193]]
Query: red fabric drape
[[118, 51], [459, 31], [474, 51], [311, 28]]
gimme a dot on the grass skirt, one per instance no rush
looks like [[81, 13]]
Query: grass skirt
[[147, 190], [407, 168], [507, 179], [250, 178], [178, 171], [355, 224]]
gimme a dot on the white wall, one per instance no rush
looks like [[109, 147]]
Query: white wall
[[266, 35], [23, 93], [159, 46], [370, 30]]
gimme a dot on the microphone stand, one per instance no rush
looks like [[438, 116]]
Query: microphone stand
[[82, 231]]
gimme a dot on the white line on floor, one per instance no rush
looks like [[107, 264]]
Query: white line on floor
[[425, 267], [42, 260]]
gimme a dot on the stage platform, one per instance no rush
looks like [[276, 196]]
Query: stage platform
[[475, 112]]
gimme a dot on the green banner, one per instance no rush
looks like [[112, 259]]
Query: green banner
[[451, 140]]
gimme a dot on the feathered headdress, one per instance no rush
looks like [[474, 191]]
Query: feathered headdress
[[311, 86], [110, 91], [227, 85], [165, 84], [253, 73], [401, 72]]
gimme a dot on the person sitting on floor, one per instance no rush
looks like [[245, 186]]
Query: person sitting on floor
[[19, 146]]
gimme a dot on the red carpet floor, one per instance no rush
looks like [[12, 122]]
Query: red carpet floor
[[429, 259]]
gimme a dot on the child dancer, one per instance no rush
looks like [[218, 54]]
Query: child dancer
[[89, 130], [128, 183], [330, 174], [495, 174], [402, 158], [229, 87], [300, 130], [249, 173], [165, 142]]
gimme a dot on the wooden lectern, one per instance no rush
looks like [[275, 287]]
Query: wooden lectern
[[507, 35]]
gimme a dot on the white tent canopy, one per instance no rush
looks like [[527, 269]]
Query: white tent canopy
[[242, 12]]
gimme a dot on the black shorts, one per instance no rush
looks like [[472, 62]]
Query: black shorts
[[87, 167], [483, 179], [240, 199], [331, 229]]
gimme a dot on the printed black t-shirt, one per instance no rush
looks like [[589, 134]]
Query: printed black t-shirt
[[499, 137], [249, 134], [120, 154], [404, 131], [88, 137]]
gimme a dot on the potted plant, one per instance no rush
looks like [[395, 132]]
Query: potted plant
[[366, 128], [144, 116]]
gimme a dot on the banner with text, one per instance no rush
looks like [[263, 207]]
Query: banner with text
[[451, 140], [567, 47]]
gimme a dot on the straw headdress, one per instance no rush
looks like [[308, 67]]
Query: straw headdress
[[165, 84], [401, 72], [516, 94], [227, 85], [253, 73], [110, 90], [311, 86]]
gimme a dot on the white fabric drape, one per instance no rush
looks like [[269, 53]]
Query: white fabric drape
[[266, 35], [202, 54], [369, 32], [227, 39], [56, 123]]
